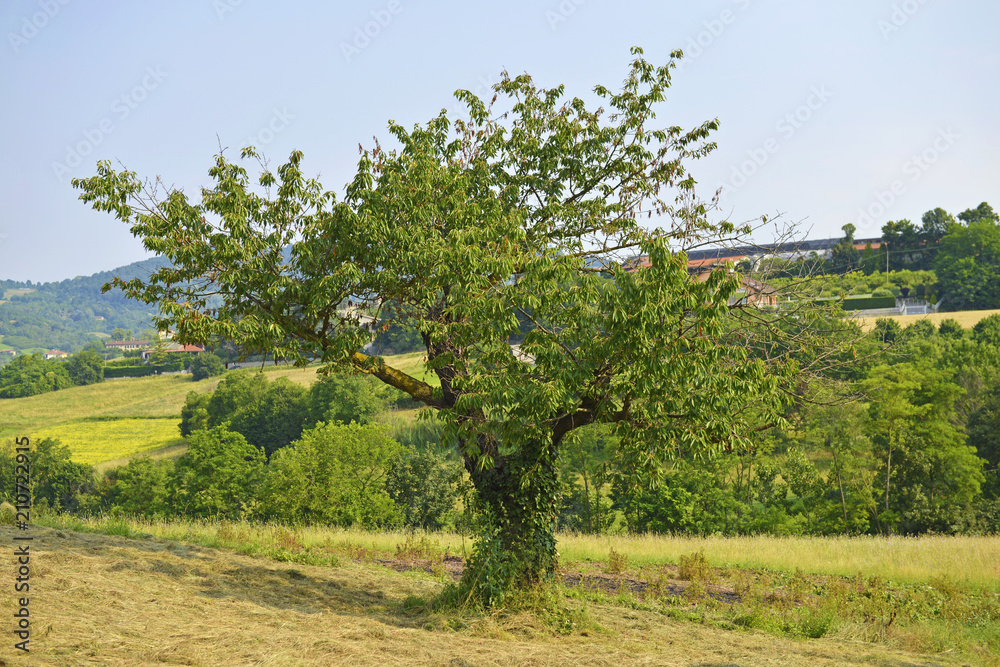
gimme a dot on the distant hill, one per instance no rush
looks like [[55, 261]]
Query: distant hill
[[65, 315]]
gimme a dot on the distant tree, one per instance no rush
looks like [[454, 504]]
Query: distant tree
[[987, 331], [887, 330], [206, 365], [140, 488], [929, 477], [345, 398], [968, 264], [270, 415], [96, 346], [218, 476], [194, 413], [982, 213], [57, 481], [984, 435], [85, 367], [902, 242], [424, 486], [920, 329], [118, 334], [935, 224], [844, 256], [951, 328], [30, 374]]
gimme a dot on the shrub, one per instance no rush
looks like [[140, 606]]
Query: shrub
[[218, 476], [206, 365], [335, 474]]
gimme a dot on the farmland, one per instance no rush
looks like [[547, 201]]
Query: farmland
[[94, 441], [966, 318], [148, 409]]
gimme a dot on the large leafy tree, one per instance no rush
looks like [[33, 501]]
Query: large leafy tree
[[968, 264], [517, 219]]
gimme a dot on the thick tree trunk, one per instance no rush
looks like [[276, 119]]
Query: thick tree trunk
[[519, 494]]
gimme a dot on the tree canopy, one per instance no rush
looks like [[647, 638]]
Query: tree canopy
[[521, 219]]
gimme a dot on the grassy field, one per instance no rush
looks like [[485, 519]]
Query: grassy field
[[146, 411], [70, 414], [967, 318], [154, 396], [281, 596]]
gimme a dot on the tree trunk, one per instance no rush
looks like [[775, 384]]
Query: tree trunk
[[519, 495]]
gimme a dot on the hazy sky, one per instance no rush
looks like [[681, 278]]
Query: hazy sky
[[858, 111]]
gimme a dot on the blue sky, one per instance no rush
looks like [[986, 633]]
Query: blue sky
[[859, 111]]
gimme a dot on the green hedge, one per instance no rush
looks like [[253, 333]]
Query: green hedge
[[130, 362], [868, 302], [143, 371], [128, 371]]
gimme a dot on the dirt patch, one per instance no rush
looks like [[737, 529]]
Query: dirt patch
[[612, 584]]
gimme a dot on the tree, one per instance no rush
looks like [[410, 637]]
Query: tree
[[902, 242], [984, 212], [984, 435], [118, 334], [929, 477], [206, 365], [30, 374], [844, 256], [935, 224], [270, 415], [968, 265], [517, 219], [344, 398], [85, 367]]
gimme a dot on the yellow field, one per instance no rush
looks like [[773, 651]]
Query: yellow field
[[967, 318], [97, 441]]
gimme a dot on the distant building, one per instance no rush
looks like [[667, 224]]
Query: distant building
[[127, 345], [9, 351], [175, 348], [55, 354]]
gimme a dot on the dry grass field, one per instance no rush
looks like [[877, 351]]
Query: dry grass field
[[967, 318], [110, 600]]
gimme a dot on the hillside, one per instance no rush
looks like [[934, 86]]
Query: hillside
[[121, 399], [65, 315]]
